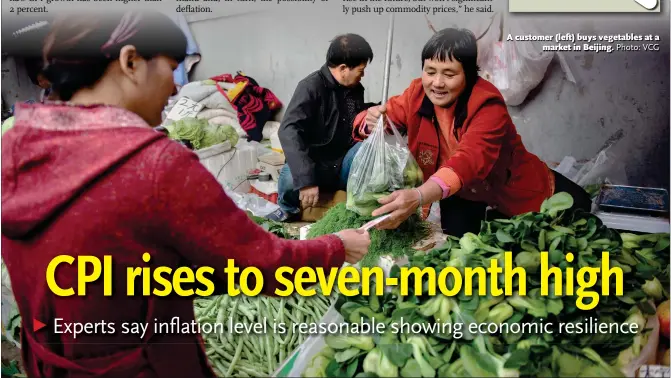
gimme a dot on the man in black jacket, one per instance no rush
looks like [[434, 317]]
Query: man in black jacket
[[316, 131]]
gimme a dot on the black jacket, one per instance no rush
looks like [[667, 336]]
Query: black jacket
[[313, 137]]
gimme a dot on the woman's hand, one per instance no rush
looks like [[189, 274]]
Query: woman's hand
[[373, 115], [401, 204], [356, 244]]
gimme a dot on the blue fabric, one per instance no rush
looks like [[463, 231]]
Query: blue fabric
[[288, 198], [181, 74]]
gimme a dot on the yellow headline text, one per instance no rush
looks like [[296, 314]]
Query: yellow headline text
[[349, 281]]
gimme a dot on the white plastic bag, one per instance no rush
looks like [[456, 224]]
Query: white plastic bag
[[434, 213], [382, 165], [259, 207], [488, 33], [602, 169], [514, 67]]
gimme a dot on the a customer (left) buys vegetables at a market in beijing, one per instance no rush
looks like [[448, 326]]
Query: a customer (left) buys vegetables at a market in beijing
[[465, 143], [90, 176]]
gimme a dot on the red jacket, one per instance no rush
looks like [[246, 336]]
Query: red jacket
[[99, 181], [486, 158]]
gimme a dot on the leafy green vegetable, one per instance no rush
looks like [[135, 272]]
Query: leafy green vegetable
[[395, 243], [277, 228], [200, 133], [445, 346]]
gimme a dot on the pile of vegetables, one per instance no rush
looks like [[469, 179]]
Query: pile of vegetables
[[644, 260], [252, 354], [201, 134], [396, 243]]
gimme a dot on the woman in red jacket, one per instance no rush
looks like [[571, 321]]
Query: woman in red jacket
[[91, 177], [463, 138]]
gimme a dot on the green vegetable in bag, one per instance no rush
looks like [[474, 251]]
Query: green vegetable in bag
[[380, 167]]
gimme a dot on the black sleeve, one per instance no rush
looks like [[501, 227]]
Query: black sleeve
[[300, 113]]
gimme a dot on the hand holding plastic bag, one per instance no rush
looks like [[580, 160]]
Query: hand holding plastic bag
[[382, 165]]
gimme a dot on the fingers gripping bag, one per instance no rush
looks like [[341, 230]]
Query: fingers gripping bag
[[382, 165]]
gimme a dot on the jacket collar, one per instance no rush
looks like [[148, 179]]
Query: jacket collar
[[331, 81], [328, 77], [426, 109]]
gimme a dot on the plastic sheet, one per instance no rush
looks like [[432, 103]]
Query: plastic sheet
[[602, 169], [258, 206]]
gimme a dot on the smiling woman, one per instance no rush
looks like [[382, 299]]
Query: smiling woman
[[465, 142]]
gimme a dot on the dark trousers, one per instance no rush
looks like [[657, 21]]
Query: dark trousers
[[289, 198], [459, 216]]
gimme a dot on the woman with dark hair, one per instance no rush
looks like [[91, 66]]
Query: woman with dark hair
[[91, 177], [465, 142]]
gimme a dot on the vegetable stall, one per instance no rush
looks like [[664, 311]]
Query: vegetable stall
[[442, 342], [434, 350]]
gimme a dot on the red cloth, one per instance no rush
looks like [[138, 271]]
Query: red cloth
[[255, 105], [487, 155], [99, 181]]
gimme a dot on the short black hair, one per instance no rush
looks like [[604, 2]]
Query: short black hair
[[462, 46], [458, 44], [349, 49]]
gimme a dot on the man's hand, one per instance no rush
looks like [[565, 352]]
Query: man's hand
[[309, 196], [373, 115], [401, 204]]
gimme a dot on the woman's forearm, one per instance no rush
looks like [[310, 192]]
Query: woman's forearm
[[439, 186], [431, 192]]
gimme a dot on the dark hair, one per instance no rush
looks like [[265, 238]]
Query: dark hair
[[34, 67], [79, 48], [460, 45], [350, 49]]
